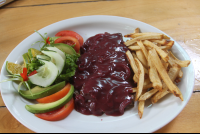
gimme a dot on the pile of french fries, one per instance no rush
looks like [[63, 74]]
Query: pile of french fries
[[156, 69]]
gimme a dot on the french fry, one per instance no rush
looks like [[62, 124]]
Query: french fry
[[132, 62], [134, 55], [135, 35], [163, 73], [147, 81], [177, 80], [165, 47], [157, 44], [140, 79], [145, 70], [162, 41], [134, 48], [135, 78], [173, 74], [144, 50], [137, 30], [180, 74], [133, 65], [165, 64], [163, 54], [157, 69], [146, 87], [173, 59], [134, 90], [148, 94], [153, 75], [170, 43], [166, 37], [159, 95], [140, 55], [141, 108], [143, 37]]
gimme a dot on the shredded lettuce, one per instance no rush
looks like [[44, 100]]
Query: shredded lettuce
[[69, 68], [34, 65]]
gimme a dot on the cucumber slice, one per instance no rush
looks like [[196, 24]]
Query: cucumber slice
[[58, 51], [46, 75], [43, 57], [56, 58]]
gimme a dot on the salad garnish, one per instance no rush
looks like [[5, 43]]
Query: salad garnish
[[45, 73]]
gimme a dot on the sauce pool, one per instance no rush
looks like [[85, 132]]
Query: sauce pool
[[103, 80]]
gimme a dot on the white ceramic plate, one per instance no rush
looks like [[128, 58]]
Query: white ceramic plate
[[154, 117]]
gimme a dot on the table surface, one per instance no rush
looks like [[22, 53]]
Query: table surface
[[179, 19]]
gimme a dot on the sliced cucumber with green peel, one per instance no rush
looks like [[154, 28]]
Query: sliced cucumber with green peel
[[55, 49], [45, 75], [56, 58], [47, 107], [43, 57], [39, 92]]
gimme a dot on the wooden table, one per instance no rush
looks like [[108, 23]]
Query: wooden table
[[179, 19]]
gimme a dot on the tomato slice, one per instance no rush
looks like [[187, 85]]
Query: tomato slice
[[71, 33], [58, 114], [57, 96], [69, 40]]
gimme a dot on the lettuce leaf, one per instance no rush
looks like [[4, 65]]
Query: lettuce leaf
[[69, 68]]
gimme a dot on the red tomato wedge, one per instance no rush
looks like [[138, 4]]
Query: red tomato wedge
[[58, 114], [71, 33], [69, 40], [57, 96]]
